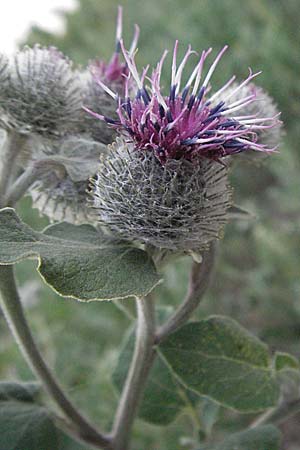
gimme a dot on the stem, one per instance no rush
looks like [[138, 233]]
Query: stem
[[20, 186], [13, 147], [137, 376], [18, 325], [200, 278], [278, 415]]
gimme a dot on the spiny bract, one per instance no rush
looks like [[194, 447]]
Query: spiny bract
[[42, 93], [178, 205]]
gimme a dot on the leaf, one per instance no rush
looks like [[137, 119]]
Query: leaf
[[67, 443], [26, 392], [163, 397], [261, 438], [285, 361], [221, 360], [26, 426], [78, 261], [78, 156]]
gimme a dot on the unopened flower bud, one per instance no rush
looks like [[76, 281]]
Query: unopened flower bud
[[60, 198], [42, 94], [61, 194]]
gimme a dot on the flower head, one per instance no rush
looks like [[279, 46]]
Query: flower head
[[42, 93], [186, 123], [162, 183], [114, 75], [115, 72]]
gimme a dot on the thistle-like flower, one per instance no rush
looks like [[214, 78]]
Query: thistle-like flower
[[163, 182], [186, 123], [114, 75], [42, 94]]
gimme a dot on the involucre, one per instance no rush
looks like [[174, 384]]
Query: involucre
[[42, 93], [181, 205]]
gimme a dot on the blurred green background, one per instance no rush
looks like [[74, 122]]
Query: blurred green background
[[257, 280]]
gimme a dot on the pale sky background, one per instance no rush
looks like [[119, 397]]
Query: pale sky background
[[17, 16]]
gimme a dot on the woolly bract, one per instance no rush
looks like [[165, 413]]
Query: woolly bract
[[42, 94]]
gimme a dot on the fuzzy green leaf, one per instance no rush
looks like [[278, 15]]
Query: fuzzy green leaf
[[26, 392], [78, 261], [262, 438], [221, 360], [24, 426], [27, 425]]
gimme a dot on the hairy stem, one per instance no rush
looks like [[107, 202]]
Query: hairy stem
[[137, 376], [278, 415], [13, 146], [200, 277], [20, 186], [18, 325]]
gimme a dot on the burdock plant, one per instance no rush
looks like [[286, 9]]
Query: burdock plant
[[158, 191]]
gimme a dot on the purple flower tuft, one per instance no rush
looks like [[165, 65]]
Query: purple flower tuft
[[115, 72], [187, 123]]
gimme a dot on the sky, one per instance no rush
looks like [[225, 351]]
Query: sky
[[17, 16]]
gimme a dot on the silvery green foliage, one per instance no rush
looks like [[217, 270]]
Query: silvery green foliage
[[61, 194], [263, 107], [178, 206], [42, 93], [60, 198], [98, 101]]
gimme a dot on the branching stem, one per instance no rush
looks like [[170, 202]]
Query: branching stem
[[18, 325], [13, 145], [278, 415], [136, 379], [20, 186], [200, 277]]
